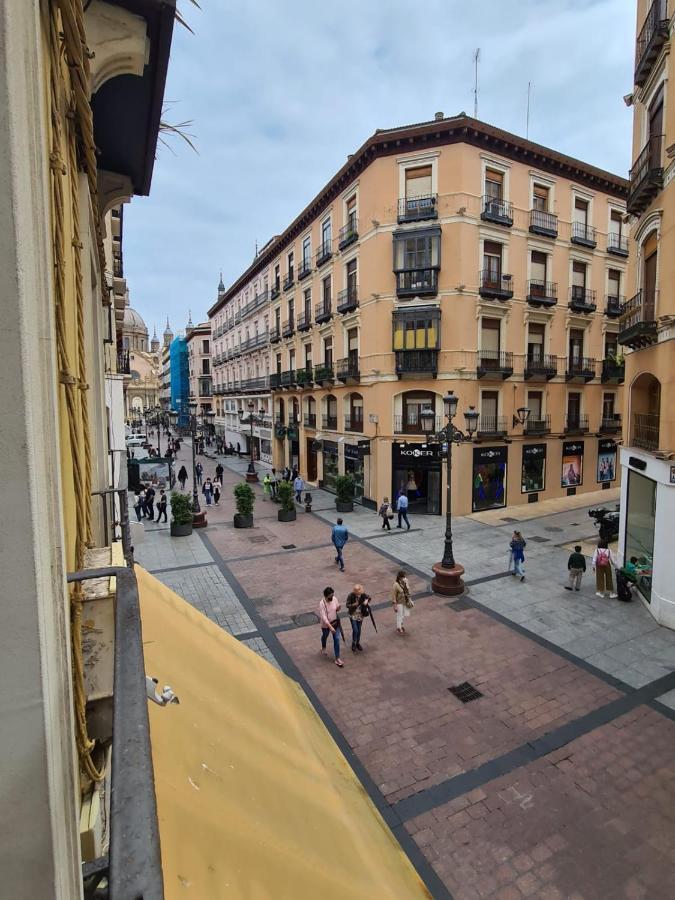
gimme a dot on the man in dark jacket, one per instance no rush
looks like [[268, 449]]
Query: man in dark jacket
[[576, 566], [339, 536]]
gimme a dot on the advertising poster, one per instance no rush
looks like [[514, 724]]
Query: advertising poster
[[606, 461], [149, 471], [489, 478], [533, 476], [572, 464]]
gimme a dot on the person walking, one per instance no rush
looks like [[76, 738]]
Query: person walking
[[400, 597], [139, 499], [339, 536], [238, 449], [603, 560], [267, 486], [219, 472], [150, 501], [161, 506], [329, 607], [216, 491], [207, 491], [518, 545], [182, 477], [576, 566], [386, 513], [298, 487], [357, 607], [402, 508], [199, 471], [274, 483]]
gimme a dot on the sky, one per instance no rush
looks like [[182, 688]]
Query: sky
[[279, 93]]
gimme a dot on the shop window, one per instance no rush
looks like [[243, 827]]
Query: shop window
[[640, 526], [417, 332]]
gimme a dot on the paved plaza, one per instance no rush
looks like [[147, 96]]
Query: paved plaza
[[558, 781]]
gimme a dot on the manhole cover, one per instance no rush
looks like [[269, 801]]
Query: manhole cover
[[262, 601], [303, 619], [539, 540], [465, 692], [552, 528], [460, 605], [288, 546], [508, 519], [258, 539]]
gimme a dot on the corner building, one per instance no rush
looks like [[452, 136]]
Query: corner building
[[647, 323], [448, 255]]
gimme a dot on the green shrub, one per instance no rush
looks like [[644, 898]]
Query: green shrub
[[344, 488], [181, 508], [285, 492], [244, 498]]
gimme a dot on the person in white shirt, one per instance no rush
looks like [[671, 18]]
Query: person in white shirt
[[603, 560], [402, 509]]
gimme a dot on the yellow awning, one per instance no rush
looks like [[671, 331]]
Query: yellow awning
[[255, 800]]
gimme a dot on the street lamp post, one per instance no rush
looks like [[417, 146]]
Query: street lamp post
[[198, 517], [448, 573], [253, 419]]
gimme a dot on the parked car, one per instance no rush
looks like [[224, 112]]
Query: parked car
[[135, 440]]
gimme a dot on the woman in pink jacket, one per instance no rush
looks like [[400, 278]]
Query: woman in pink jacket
[[329, 606]]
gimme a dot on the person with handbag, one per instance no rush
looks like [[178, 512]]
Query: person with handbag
[[386, 513], [403, 602], [329, 606], [358, 608]]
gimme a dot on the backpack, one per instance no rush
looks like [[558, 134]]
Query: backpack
[[602, 557]]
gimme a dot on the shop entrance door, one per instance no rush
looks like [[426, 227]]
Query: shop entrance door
[[311, 461]]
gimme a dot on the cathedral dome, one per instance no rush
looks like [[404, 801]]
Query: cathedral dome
[[133, 321]]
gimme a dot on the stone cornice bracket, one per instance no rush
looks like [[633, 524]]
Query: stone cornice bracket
[[117, 41]]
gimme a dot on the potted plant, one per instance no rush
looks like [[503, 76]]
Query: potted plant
[[344, 488], [181, 514], [285, 494], [245, 500]]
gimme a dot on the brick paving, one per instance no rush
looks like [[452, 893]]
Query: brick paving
[[589, 821]]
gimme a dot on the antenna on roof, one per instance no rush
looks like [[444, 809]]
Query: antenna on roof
[[527, 117], [476, 57], [256, 249]]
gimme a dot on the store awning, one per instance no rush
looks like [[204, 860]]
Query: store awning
[[254, 798]]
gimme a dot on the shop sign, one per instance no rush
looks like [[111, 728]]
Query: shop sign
[[420, 452], [489, 455], [572, 471], [364, 447], [292, 433], [606, 461], [533, 471], [280, 431], [488, 489], [352, 452]]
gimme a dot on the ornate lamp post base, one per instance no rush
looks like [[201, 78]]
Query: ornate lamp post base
[[447, 581], [252, 477], [199, 520]]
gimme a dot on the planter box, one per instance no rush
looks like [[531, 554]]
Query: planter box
[[241, 521], [344, 506], [286, 515], [181, 530]]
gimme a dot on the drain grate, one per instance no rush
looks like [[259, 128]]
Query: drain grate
[[258, 539], [552, 528], [288, 546], [465, 692], [509, 519], [308, 618], [537, 539], [460, 605]]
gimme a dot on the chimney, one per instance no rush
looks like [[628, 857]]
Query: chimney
[[439, 116]]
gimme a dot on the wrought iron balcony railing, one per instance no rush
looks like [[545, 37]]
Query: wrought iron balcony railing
[[348, 234], [304, 269], [494, 363], [497, 210], [324, 253], [543, 223], [347, 369], [541, 365], [354, 423], [637, 323], [323, 311], [348, 299], [583, 234], [492, 425], [540, 425], [617, 244], [416, 209], [416, 282], [580, 367], [582, 299], [123, 366], [494, 285], [576, 423], [652, 36], [413, 361], [646, 175], [542, 293], [329, 422], [645, 431]]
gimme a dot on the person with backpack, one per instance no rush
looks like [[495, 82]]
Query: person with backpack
[[357, 607], [329, 606], [576, 566], [603, 560], [386, 513], [518, 545], [161, 506], [339, 537]]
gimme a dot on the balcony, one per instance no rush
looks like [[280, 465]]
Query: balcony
[[541, 366], [348, 299], [275, 290], [251, 385], [610, 425], [617, 244], [638, 321], [348, 234], [123, 367], [288, 328], [258, 301], [416, 362], [646, 176], [323, 311], [310, 420], [304, 269], [329, 422], [289, 281], [580, 368], [576, 423], [494, 364], [612, 371], [582, 299], [653, 35], [583, 234], [416, 283], [275, 381], [542, 293], [324, 374], [347, 370], [542, 425], [323, 254], [411, 424], [543, 223], [354, 424], [304, 321], [417, 209], [492, 426], [498, 211], [494, 285], [288, 378], [613, 306], [304, 377], [645, 431], [275, 334]]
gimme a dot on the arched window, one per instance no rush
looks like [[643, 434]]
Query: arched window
[[354, 413], [329, 419], [645, 410]]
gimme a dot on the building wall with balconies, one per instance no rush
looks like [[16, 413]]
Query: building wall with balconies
[[199, 342]]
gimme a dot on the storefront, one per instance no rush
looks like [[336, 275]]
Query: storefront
[[416, 471], [489, 478], [266, 445], [640, 528], [572, 471], [294, 445], [354, 467], [330, 464], [533, 472], [606, 461]]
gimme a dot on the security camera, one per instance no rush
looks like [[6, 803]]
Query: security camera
[[162, 699], [628, 99]]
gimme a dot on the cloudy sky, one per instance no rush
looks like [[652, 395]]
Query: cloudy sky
[[281, 92]]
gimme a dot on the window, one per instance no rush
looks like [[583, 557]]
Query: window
[[616, 226], [290, 265], [536, 332], [579, 281], [540, 197], [353, 347], [576, 344], [418, 182], [413, 402], [581, 211], [417, 250], [326, 236], [490, 336], [206, 367], [291, 360], [494, 184], [205, 346], [326, 291], [356, 411], [492, 264], [351, 213], [573, 409], [538, 267], [308, 356], [291, 311], [328, 351], [614, 283], [307, 299], [656, 130], [306, 252], [277, 277], [608, 401], [611, 345], [278, 363], [535, 403], [417, 331], [277, 318], [489, 407], [351, 276]]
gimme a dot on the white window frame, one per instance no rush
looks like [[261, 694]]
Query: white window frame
[[491, 162], [415, 161]]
